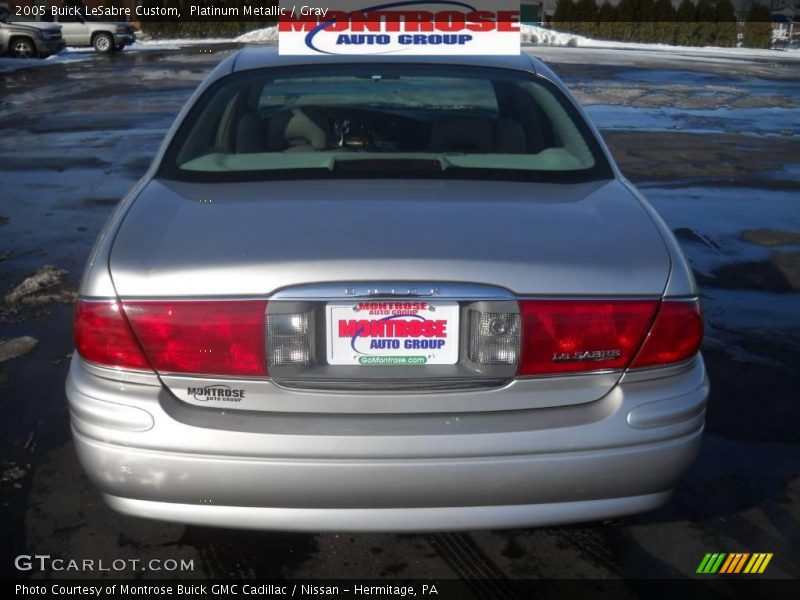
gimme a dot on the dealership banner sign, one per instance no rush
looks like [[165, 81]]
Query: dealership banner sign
[[400, 27]]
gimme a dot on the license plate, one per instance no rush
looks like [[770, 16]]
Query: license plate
[[392, 333]]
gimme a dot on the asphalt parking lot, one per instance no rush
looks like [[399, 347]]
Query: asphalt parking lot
[[713, 143]]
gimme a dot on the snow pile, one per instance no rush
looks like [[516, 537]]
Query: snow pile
[[532, 35], [539, 36], [173, 43], [268, 35]]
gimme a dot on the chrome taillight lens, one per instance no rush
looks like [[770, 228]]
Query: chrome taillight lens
[[290, 339], [494, 338]]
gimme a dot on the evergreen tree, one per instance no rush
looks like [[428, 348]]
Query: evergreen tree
[[586, 17], [564, 15], [605, 21], [684, 32], [186, 28], [665, 16], [626, 15], [646, 19], [725, 16], [758, 26], [706, 24]]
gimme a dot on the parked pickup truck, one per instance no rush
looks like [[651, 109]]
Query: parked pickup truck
[[28, 39], [104, 36]]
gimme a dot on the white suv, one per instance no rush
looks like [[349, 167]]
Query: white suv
[[104, 36]]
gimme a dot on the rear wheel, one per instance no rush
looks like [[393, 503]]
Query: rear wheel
[[23, 48], [103, 43]]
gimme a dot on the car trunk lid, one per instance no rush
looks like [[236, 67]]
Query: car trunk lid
[[246, 239], [271, 240]]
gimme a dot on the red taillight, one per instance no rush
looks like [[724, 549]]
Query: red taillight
[[675, 336], [573, 336], [103, 336], [202, 337]]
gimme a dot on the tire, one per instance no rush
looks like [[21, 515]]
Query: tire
[[103, 43], [23, 48]]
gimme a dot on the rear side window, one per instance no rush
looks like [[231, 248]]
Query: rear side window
[[384, 120]]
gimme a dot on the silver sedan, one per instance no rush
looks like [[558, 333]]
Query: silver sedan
[[376, 293]]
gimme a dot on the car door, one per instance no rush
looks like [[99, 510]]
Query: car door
[[74, 30]]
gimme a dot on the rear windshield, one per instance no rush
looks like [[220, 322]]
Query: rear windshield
[[387, 120]]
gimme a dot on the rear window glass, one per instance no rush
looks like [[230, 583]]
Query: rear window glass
[[432, 93], [384, 120]]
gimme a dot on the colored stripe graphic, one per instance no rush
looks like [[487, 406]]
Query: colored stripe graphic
[[716, 565], [711, 562], [741, 563], [734, 562], [731, 561], [758, 563], [703, 563]]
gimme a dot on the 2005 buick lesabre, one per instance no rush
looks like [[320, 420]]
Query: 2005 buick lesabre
[[374, 293]]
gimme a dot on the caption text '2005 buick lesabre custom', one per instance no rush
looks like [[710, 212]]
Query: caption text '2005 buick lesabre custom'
[[375, 293]]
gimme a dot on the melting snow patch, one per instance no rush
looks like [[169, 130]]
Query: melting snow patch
[[16, 347], [46, 277], [31, 292], [7, 65]]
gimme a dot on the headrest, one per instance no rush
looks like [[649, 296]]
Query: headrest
[[470, 135], [250, 136], [510, 138], [302, 133]]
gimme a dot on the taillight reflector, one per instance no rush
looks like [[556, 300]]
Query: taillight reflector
[[103, 336], [675, 336], [202, 337], [572, 336]]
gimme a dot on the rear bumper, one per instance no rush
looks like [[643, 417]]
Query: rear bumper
[[124, 39], [619, 455], [422, 495], [449, 518]]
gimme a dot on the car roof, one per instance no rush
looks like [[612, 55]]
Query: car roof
[[256, 57]]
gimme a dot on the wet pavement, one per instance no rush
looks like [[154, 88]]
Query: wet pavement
[[713, 144]]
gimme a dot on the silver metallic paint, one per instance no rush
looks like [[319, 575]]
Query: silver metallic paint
[[538, 451]]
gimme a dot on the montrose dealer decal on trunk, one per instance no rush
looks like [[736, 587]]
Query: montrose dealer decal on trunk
[[215, 393], [393, 333], [401, 27]]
